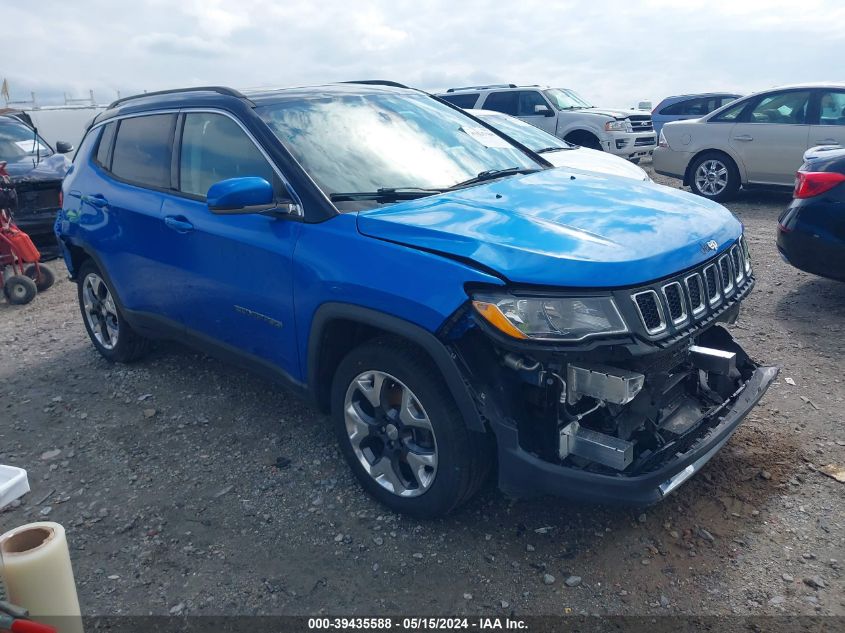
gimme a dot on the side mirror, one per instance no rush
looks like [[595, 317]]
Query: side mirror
[[63, 147], [542, 109], [239, 196]]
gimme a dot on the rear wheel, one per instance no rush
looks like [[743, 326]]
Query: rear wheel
[[714, 175], [113, 337], [19, 289], [42, 276], [401, 433]]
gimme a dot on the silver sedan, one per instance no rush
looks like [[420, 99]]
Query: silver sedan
[[755, 141]]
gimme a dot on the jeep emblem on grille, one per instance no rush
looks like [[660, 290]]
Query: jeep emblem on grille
[[712, 245]]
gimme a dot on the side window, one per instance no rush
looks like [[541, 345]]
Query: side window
[[785, 108], [832, 108], [462, 101], [215, 148], [506, 102], [731, 114], [726, 100], [527, 100], [142, 150], [104, 148], [677, 108]]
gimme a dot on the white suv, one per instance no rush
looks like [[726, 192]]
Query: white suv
[[563, 113]]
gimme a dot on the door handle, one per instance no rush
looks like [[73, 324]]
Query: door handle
[[97, 200], [744, 137], [178, 223]]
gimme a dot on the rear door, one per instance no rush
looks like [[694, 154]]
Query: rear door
[[828, 127], [228, 276], [120, 204], [772, 136]]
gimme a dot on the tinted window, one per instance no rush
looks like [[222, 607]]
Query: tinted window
[[506, 102], [527, 100], [462, 101], [726, 100], [142, 150], [692, 107], [104, 148], [832, 108], [785, 108], [215, 148]]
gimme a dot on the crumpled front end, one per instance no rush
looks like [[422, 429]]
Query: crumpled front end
[[624, 419]]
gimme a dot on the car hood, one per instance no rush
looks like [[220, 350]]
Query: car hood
[[52, 167], [611, 112], [587, 159], [563, 228]]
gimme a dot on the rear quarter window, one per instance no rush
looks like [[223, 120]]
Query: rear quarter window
[[142, 150], [103, 157], [462, 101]]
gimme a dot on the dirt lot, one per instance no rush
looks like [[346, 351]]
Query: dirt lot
[[188, 486]]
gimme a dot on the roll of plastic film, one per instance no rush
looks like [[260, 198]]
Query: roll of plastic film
[[38, 575]]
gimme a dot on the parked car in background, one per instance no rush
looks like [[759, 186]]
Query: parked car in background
[[36, 170], [565, 114], [811, 231], [755, 141], [453, 302], [688, 107], [558, 152]]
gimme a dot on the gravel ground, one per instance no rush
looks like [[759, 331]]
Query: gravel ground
[[189, 486]]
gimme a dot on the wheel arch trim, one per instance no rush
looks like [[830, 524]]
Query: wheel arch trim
[[428, 342]]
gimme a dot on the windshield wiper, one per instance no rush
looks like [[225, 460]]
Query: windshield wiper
[[546, 150], [492, 174], [385, 193]]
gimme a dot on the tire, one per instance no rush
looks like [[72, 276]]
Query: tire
[[19, 289], [714, 175], [107, 328], [451, 462], [44, 280], [634, 161], [584, 139]]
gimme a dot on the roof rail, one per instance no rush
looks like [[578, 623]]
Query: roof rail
[[487, 87], [218, 89], [377, 82]]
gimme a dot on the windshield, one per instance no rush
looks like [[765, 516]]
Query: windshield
[[565, 99], [360, 143], [18, 141], [532, 137]]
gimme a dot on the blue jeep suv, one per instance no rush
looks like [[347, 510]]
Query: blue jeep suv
[[454, 303]]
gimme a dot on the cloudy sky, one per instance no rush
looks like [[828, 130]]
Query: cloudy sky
[[614, 53]]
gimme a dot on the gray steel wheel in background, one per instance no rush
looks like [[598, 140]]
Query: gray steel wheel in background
[[390, 433], [100, 310]]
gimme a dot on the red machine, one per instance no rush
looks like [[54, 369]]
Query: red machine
[[21, 275]]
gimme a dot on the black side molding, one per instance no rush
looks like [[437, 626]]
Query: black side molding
[[439, 353]]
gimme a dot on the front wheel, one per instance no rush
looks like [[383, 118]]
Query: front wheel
[[113, 337], [401, 433], [714, 176]]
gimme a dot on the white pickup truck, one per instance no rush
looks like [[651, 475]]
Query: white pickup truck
[[560, 111]]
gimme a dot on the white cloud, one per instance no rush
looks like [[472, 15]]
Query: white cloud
[[615, 53]]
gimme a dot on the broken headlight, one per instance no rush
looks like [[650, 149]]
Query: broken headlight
[[551, 318]]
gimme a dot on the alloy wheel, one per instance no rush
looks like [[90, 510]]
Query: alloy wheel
[[100, 310], [711, 177], [390, 433]]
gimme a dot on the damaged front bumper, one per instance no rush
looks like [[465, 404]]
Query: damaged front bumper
[[622, 423], [523, 474]]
